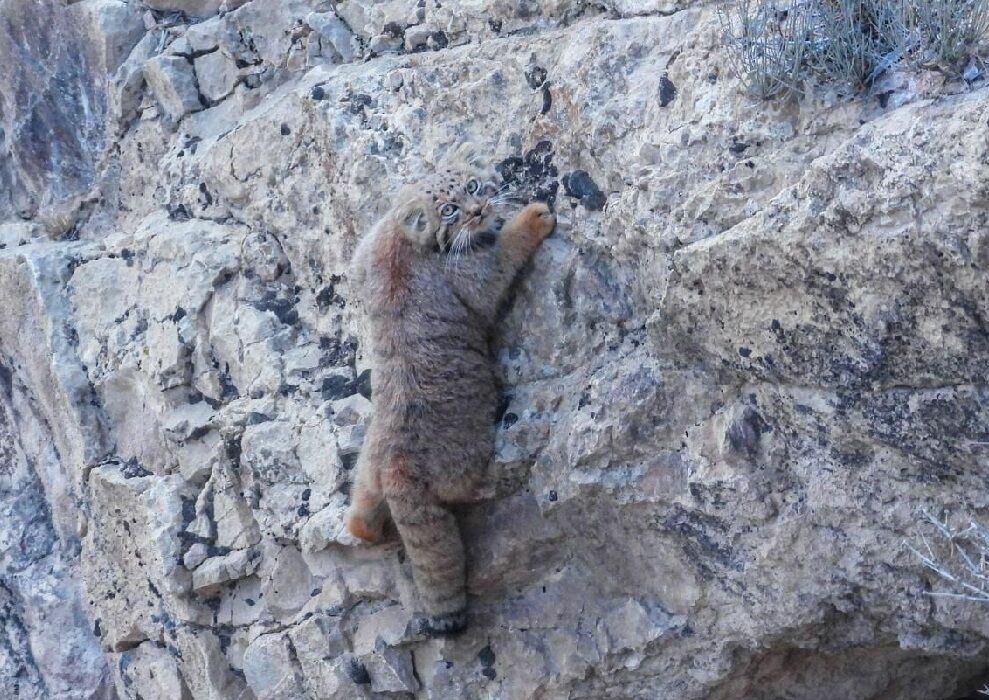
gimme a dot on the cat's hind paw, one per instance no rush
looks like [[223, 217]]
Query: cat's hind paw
[[359, 528]]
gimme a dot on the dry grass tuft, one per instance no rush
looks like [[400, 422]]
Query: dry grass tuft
[[776, 46]]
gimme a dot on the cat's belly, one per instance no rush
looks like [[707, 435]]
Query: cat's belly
[[458, 418]]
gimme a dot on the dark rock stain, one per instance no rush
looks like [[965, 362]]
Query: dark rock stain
[[579, 185], [535, 76], [284, 309], [745, 432], [737, 146], [357, 672], [363, 384], [328, 296], [206, 196], [533, 176], [336, 387], [667, 91], [439, 40], [503, 403], [486, 656]]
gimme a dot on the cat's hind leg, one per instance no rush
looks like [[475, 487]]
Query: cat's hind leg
[[368, 510], [434, 547]]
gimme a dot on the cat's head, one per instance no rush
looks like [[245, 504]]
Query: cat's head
[[452, 210]]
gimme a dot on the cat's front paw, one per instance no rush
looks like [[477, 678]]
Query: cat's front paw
[[443, 625], [538, 219]]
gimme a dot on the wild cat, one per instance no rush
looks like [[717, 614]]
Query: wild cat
[[432, 274]]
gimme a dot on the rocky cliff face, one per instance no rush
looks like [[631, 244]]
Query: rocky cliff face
[[756, 348]]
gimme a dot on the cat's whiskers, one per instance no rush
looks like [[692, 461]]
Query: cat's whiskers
[[456, 248], [500, 195], [507, 197], [463, 237], [468, 240], [461, 241]]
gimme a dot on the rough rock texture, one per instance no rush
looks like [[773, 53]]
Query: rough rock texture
[[754, 350]]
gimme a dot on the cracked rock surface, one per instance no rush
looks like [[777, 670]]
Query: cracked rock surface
[[754, 351]]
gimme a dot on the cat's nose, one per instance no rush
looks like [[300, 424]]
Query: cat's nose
[[476, 210]]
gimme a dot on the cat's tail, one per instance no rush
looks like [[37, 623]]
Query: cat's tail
[[433, 544]]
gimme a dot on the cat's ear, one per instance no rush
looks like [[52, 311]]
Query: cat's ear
[[418, 224], [466, 153], [414, 219]]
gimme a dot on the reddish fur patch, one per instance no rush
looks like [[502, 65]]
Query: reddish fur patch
[[395, 477], [358, 528], [394, 258]]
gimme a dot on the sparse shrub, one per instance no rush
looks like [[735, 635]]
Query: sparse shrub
[[960, 557], [857, 40], [767, 42], [948, 30], [775, 46]]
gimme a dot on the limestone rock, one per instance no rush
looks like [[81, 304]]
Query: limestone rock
[[335, 36], [219, 570], [286, 581], [235, 524], [203, 665], [46, 649], [153, 672], [52, 136], [388, 627], [194, 8], [115, 24], [391, 671], [173, 82], [419, 36], [187, 421], [270, 670], [319, 645], [326, 527], [195, 556], [216, 74]]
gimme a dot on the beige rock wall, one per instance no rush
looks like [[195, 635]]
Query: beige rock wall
[[753, 352]]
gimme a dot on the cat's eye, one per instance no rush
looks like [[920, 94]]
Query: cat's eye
[[448, 211], [473, 186]]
